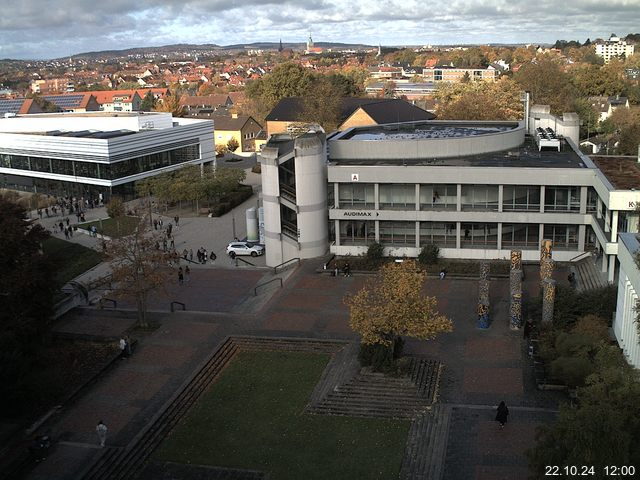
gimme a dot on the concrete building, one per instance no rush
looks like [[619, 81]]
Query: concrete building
[[99, 153], [474, 189], [614, 48], [625, 326]]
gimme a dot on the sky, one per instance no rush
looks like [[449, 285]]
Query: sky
[[45, 29]]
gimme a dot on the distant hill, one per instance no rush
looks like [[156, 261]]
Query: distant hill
[[179, 48]]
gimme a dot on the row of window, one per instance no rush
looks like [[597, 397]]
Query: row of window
[[104, 171], [485, 235], [474, 197]]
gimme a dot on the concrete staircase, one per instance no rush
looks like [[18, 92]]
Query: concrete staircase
[[371, 394], [588, 275], [424, 456]]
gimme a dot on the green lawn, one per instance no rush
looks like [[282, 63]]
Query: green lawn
[[252, 418], [70, 258], [122, 227]]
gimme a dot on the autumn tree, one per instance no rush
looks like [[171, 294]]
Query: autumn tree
[[548, 84], [138, 267], [393, 305], [148, 102], [171, 104], [322, 103], [603, 429], [232, 145], [479, 100]]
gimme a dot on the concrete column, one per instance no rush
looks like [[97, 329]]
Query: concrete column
[[376, 193], [458, 235], [541, 231], [603, 265], [377, 230], [336, 195], [614, 226], [582, 234], [417, 242], [612, 268], [336, 226], [583, 200], [500, 200], [541, 202], [500, 235], [607, 221], [459, 200], [417, 197]]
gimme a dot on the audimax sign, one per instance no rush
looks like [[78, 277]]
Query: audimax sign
[[359, 213]]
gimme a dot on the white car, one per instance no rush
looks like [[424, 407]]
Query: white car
[[244, 248]]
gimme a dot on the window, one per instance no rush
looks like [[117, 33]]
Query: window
[[564, 237], [39, 164], [520, 235], [438, 197], [21, 163], [562, 199], [482, 235], [356, 195], [86, 169], [480, 197], [519, 198], [357, 232], [398, 233], [398, 196], [592, 200], [61, 167], [437, 233]]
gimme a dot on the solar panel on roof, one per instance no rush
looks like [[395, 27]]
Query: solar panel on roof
[[10, 106]]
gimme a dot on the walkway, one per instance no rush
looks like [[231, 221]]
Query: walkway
[[480, 369]]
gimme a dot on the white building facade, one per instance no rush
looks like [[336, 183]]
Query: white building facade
[[625, 325], [614, 48], [91, 154], [475, 189]]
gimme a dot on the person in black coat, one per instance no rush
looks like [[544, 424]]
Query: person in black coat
[[502, 414]]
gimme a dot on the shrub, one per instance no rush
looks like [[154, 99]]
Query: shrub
[[429, 255], [572, 370], [375, 253], [232, 145]]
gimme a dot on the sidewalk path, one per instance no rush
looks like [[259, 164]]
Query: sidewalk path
[[481, 368]]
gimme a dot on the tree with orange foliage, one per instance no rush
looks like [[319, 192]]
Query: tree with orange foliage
[[393, 305], [138, 267], [172, 105]]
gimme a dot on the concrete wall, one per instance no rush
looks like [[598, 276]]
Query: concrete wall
[[421, 148]]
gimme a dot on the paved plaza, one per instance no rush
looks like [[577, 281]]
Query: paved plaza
[[481, 367]]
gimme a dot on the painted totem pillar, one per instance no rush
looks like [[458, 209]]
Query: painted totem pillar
[[515, 307], [548, 299], [483, 297]]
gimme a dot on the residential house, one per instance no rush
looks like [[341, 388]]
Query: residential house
[[244, 129], [206, 105], [80, 102], [118, 100], [354, 112], [606, 105]]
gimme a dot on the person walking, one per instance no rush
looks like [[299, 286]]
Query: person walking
[[502, 414], [101, 431], [212, 257], [187, 274], [443, 273], [123, 347], [347, 270], [191, 254], [180, 276], [177, 219]]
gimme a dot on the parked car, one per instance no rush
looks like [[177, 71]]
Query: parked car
[[244, 248]]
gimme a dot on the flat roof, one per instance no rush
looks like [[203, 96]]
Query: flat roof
[[82, 133], [524, 156], [622, 172], [424, 130]]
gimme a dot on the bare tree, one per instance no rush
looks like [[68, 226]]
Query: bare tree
[[139, 267]]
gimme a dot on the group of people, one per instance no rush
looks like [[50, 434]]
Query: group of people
[[184, 275]]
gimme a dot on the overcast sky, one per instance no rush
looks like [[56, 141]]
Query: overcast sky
[[42, 29]]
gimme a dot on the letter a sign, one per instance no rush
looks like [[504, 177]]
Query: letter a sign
[[355, 177]]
